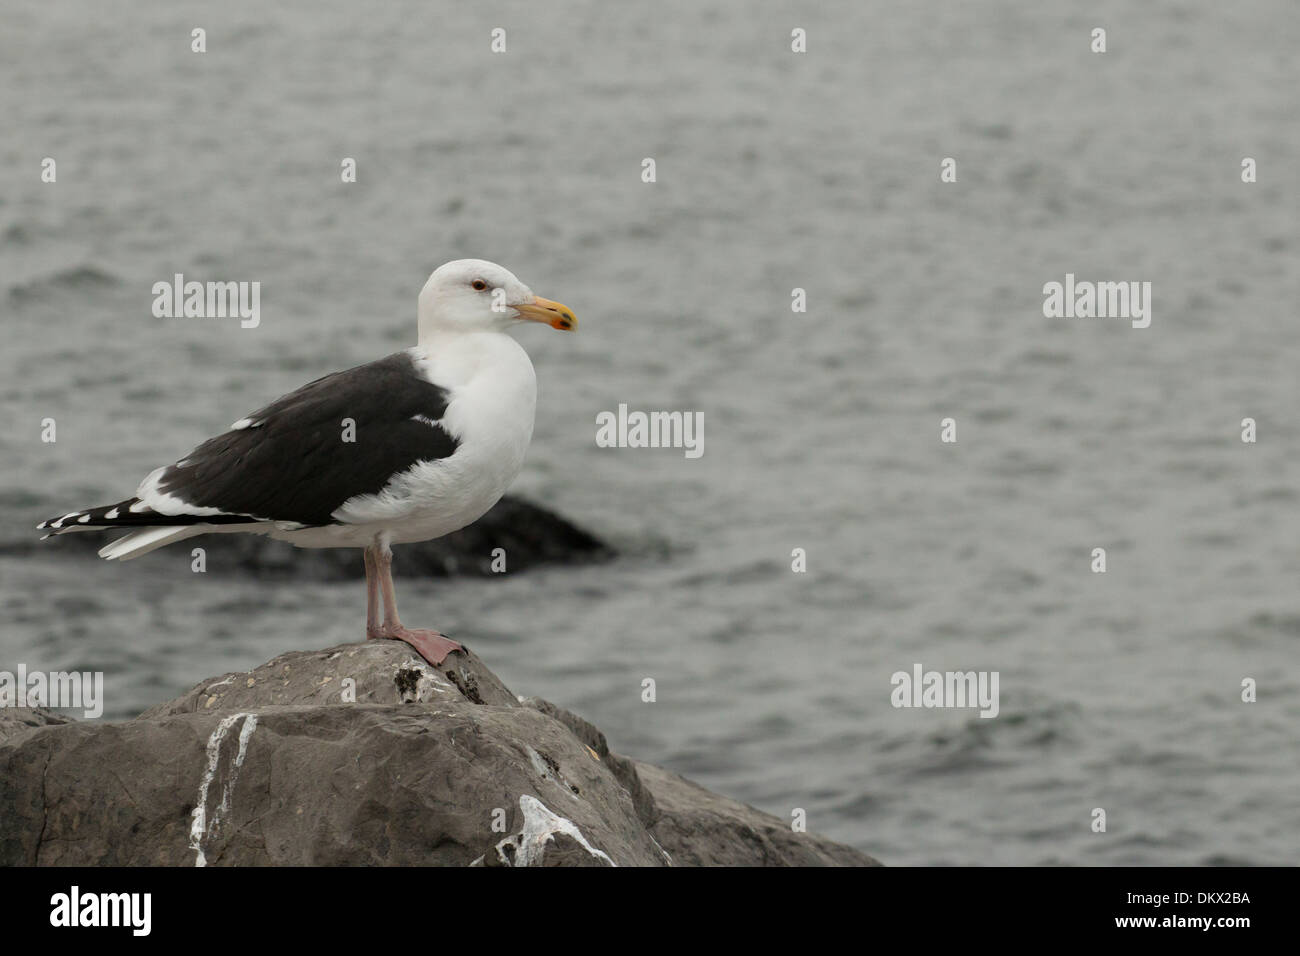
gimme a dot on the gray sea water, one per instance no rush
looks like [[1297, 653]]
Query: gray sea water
[[775, 170]]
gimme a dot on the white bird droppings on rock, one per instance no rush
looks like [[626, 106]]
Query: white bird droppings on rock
[[540, 826], [200, 828]]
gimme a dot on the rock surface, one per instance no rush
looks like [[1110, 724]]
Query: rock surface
[[363, 754], [529, 535]]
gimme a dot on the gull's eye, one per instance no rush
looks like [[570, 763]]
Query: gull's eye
[[479, 285]]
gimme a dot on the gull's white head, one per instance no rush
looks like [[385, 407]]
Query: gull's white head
[[473, 295]]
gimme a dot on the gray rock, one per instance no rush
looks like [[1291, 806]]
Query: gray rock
[[14, 720], [362, 754]]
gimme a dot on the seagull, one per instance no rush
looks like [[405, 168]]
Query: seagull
[[407, 448]]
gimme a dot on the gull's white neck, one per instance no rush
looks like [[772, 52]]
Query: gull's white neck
[[454, 357]]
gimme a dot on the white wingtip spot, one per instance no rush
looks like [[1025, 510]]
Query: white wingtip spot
[[138, 507], [83, 519], [110, 514]]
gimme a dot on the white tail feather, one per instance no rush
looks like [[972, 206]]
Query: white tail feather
[[151, 539], [145, 540]]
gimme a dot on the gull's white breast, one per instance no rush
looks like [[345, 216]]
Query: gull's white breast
[[492, 403]]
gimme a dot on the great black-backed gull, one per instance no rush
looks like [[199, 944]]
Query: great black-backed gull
[[407, 448]]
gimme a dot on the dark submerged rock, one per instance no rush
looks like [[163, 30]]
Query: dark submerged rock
[[531, 536]]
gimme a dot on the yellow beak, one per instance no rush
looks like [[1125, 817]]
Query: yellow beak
[[554, 314]]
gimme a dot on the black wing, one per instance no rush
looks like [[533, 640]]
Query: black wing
[[291, 463]]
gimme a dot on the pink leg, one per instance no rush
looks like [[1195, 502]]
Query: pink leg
[[433, 647], [373, 630]]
